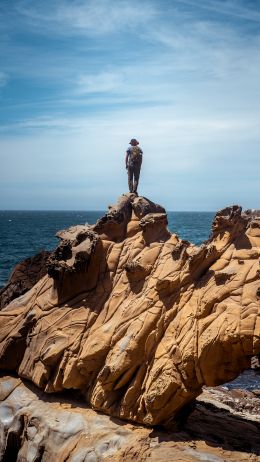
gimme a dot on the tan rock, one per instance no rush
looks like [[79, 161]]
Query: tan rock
[[137, 319], [54, 428]]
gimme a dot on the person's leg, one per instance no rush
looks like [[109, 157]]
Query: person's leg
[[137, 168], [130, 178]]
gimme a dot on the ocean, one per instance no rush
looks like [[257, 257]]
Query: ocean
[[24, 233]]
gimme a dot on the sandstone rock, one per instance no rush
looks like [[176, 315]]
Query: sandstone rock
[[24, 276], [135, 318], [253, 213], [36, 427], [240, 403]]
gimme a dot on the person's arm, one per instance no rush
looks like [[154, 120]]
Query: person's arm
[[126, 159], [141, 152]]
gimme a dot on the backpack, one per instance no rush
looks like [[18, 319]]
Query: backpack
[[136, 154]]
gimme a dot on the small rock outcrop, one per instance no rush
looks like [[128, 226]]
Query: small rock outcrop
[[136, 319], [24, 276]]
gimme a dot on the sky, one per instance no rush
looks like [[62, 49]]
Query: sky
[[80, 78]]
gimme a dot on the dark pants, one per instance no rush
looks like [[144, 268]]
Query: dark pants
[[133, 176]]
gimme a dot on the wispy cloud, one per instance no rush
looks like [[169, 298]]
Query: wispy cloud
[[85, 76], [233, 8], [99, 83], [94, 17], [161, 122], [189, 162]]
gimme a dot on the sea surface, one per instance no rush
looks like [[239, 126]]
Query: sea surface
[[24, 233]]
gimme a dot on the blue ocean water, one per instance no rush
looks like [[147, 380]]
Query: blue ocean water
[[24, 233]]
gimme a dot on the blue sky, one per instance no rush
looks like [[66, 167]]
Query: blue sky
[[79, 78]]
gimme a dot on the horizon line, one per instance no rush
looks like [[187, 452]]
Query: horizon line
[[95, 210]]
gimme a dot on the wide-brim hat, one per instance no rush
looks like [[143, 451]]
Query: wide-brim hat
[[133, 141]]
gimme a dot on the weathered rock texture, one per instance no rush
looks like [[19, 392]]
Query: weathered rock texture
[[36, 427], [137, 319], [24, 276]]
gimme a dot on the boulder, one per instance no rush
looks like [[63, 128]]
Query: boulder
[[136, 319]]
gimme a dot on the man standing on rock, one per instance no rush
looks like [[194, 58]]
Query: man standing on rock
[[133, 162]]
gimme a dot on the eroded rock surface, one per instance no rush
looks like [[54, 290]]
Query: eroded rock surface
[[137, 319], [24, 276], [39, 427]]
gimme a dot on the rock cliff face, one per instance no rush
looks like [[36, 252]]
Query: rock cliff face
[[137, 319]]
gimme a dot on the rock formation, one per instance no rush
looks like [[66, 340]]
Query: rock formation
[[39, 427], [24, 276], [136, 319]]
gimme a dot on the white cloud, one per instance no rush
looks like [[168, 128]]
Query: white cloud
[[189, 163], [99, 83], [160, 121], [91, 17], [184, 47], [190, 92]]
